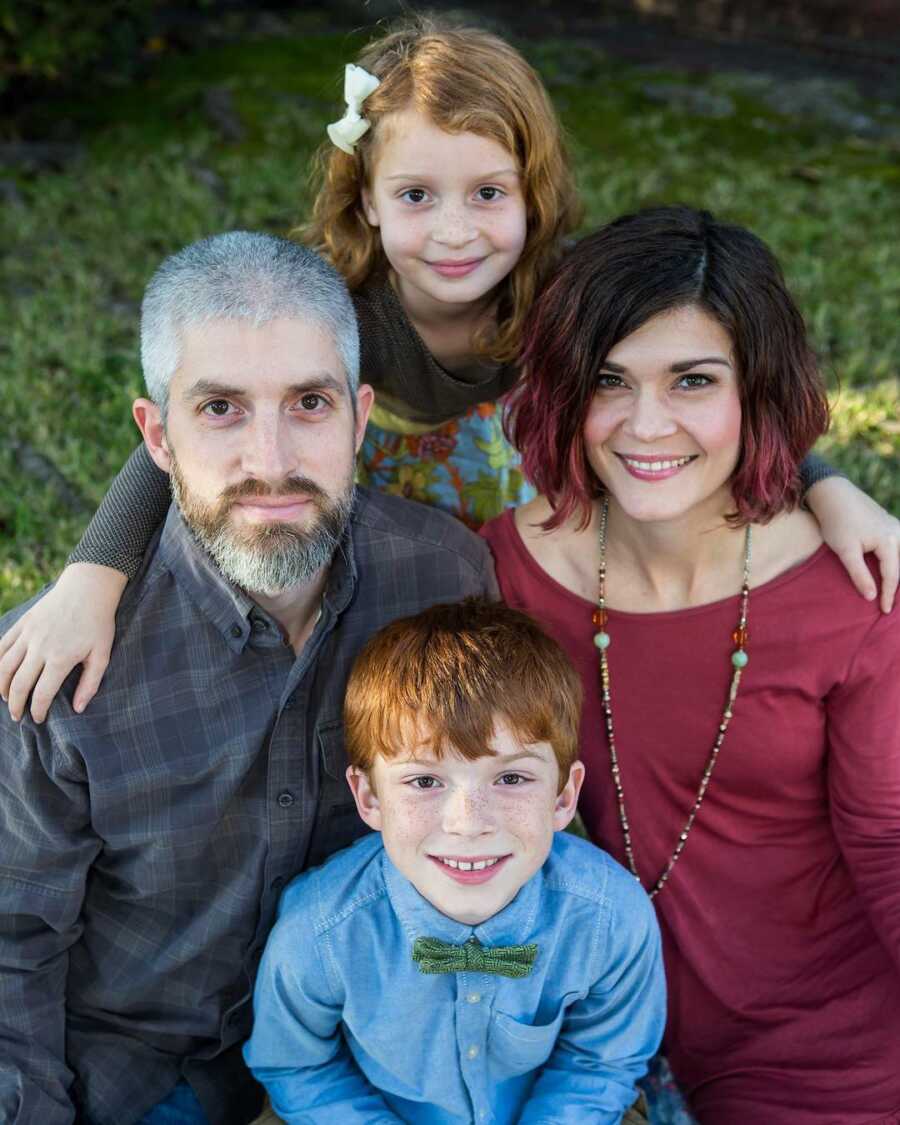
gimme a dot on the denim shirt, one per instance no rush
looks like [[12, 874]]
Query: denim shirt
[[348, 1029]]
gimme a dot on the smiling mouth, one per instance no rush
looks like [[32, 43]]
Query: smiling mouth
[[478, 869], [655, 468], [456, 269]]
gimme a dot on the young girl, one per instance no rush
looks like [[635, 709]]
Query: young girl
[[445, 198]]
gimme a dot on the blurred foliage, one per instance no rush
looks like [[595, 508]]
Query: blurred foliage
[[157, 172]]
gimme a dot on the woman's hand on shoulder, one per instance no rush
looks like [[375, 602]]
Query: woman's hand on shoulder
[[73, 623], [853, 524]]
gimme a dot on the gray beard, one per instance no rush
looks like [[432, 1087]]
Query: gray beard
[[273, 557]]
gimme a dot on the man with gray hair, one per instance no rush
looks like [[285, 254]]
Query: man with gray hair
[[145, 842]]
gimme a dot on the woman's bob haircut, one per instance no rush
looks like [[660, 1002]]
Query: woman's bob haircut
[[614, 281], [463, 79]]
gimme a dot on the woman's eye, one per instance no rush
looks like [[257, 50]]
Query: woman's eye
[[415, 195], [693, 381], [488, 194], [607, 382], [218, 408]]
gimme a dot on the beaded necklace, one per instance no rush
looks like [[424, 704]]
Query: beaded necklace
[[739, 661]]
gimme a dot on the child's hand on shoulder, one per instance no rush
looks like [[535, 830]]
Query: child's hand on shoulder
[[74, 623]]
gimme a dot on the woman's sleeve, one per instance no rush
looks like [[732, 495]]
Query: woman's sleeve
[[814, 468], [863, 716], [128, 516]]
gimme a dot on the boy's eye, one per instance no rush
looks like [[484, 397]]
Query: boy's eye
[[488, 194], [424, 782], [512, 779], [415, 195]]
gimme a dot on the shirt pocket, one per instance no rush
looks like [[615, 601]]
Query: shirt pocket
[[337, 823], [518, 1047]]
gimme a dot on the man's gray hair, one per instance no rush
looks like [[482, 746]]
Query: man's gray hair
[[241, 276]]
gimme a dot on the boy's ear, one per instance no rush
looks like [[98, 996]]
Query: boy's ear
[[149, 421], [567, 801], [365, 796]]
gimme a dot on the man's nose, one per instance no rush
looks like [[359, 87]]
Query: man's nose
[[453, 226], [650, 417], [268, 453]]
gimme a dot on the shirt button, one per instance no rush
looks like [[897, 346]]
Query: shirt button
[[236, 631], [285, 799], [472, 1052], [474, 997], [258, 625]]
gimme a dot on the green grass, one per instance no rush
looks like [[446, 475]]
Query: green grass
[[157, 175]]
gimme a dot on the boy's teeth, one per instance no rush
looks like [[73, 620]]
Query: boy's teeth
[[464, 865]]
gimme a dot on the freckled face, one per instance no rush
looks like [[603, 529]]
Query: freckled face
[[468, 835], [663, 430], [449, 208]]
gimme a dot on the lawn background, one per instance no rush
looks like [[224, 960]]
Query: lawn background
[[220, 137]]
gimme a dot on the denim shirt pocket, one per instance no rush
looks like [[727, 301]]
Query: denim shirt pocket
[[518, 1047]]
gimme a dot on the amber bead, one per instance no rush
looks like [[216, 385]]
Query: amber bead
[[740, 636], [599, 618]]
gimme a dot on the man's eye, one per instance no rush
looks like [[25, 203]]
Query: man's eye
[[415, 195], [218, 408], [312, 401], [488, 194]]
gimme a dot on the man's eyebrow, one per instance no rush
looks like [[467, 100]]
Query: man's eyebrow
[[317, 381], [676, 368], [496, 174]]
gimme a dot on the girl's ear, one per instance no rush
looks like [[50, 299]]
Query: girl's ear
[[366, 798], [567, 801], [369, 208]]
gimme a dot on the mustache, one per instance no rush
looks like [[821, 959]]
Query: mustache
[[290, 486]]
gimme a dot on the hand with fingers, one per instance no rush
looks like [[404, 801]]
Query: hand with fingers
[[74, 623], [852, 524]]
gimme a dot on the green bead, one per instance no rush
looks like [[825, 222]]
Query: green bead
[[601, 640], [739, 658]]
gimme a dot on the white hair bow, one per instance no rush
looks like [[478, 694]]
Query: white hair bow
[[358, 84]]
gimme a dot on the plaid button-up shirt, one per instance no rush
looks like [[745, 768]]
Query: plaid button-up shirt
[[144, 843]]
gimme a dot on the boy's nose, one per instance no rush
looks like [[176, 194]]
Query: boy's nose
[[466, 813]]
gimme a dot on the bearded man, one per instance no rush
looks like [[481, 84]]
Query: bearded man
[[144, 843]]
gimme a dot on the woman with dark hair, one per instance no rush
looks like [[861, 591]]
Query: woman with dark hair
[[742, 723]]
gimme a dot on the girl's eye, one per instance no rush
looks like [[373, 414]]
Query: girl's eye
[[424, 782], [312, 401], [415, 195], [217, 408], [693, 381], [488, 194], [512, 779]]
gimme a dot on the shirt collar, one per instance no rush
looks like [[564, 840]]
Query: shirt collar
[[227, 606], [516, 924]]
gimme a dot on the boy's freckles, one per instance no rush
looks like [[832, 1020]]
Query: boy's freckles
[[469, 834]]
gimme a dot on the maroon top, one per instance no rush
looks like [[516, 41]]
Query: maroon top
[[781, 920]]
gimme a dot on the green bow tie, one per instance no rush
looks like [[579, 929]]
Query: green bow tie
[[434, 956]]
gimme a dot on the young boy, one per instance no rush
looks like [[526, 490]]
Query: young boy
[[468, 962]]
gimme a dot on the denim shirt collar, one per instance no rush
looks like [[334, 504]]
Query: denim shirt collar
[[515, 924]]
